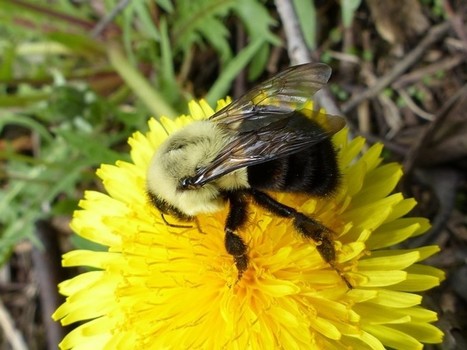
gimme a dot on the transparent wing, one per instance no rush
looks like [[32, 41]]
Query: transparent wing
[[269, 101], [266, 123]]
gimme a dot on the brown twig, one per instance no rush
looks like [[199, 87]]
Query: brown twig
[[105, 21], [388, 144], [434, 34], [417, 74], [413, 153], [274, 59], [46, 268], [445, 183], [455, 18], [346, 67], [413, 106], [50, 12], [11, 333], [298, 51]]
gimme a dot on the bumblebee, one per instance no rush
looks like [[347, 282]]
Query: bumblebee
[[260, 143]]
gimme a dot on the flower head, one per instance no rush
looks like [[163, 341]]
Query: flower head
[[165, 286]]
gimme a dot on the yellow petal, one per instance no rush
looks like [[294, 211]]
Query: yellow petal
[[393, 338], [388, 261], [167, 287], [382, 278], [394, 299], [395, 232]]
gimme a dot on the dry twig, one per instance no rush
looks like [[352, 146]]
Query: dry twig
[[418, 74], [298, 51], [47, 271], [435, 33], [427, 134], [105, 21], [12, 334]]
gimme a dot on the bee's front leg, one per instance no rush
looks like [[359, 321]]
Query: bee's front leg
[[235, 220], [238, 249]]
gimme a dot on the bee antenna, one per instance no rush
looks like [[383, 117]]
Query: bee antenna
[[198, 226], [174, 225]]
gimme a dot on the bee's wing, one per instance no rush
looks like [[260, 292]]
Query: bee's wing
[[288, 135], [266, 103], [264, 123]]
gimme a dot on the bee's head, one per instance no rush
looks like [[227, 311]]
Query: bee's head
[[176, 161]]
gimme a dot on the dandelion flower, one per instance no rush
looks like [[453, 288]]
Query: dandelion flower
[[164, 287]]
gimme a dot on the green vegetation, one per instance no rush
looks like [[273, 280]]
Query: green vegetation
[[70, 99]]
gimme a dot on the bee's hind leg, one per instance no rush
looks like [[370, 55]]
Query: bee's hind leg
[[319, 233], [306, 226]]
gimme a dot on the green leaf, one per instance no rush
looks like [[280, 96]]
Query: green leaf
[[8, 55], [216, 33], [22, 100], [348, 11], [166, 5], [223, 83], [168, 82], [78, 43], [258, 64], [95, 149], [257, 21], [145, 20], [192, 20], [27, 122], [154, 101], [20, 229]]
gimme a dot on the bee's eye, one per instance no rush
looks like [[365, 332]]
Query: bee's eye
[[176, 147], [187, 184]]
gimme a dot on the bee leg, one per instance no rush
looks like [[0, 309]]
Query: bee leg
[[306, 226], [237, 248], [319, 233], [235, 220], [174, 225]]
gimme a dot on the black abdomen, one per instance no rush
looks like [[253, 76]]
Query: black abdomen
[[314, 171]]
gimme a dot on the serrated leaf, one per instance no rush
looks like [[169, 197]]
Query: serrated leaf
[[257, 20], [216, 33]]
